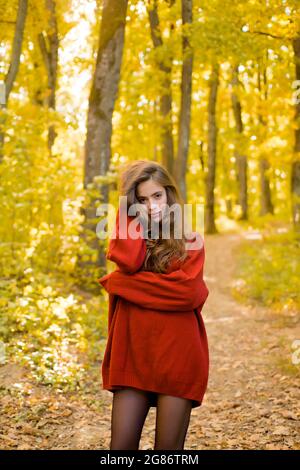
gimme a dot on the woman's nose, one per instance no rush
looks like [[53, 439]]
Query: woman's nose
[[153, 206]]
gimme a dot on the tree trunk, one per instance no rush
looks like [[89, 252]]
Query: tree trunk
[[13, 67], [210, 179], [266, 205], [166, 98], [241, 160], [49, 45], [295, 173], [185, 105], [50, 57], [99, 122]]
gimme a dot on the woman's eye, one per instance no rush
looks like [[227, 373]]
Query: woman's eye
[[142, 201]]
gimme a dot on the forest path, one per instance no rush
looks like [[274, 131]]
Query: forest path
[[252, 399]]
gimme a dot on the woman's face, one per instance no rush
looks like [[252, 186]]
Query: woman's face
[[153, 196]]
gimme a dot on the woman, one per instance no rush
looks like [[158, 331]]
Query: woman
[[157, 350]]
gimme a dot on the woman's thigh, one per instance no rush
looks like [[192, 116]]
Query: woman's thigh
[[172, 421], [129, 410]]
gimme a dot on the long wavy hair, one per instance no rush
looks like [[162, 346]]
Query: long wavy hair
[[160, 251]]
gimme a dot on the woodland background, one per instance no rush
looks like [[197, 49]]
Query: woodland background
[[209, 88]]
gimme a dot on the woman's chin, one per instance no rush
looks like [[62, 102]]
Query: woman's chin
[[156, 217]]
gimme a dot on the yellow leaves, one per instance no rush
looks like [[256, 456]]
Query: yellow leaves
[[52, 329], [47, 291], [270, 269], [28, 289], [55, 329], [29, 252], [59, 312]]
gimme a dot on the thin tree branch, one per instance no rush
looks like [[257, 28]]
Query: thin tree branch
[[264, 33]]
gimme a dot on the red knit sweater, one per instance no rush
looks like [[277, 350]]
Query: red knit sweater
[[156, 335]]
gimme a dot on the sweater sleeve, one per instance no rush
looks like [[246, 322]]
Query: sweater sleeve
[[183, 289], [127, 253]]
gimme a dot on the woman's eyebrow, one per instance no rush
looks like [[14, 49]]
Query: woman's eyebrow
[[141, 197]]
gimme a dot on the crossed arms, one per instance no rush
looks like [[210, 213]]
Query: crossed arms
[[182, 289]]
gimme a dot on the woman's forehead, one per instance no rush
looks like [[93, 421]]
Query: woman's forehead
[[148, 188]]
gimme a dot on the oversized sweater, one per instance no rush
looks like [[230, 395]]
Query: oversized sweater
[[157, 340]]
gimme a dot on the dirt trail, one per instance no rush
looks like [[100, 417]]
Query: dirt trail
[[252, 400]]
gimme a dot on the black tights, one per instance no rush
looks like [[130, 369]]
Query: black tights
[[129, 411]]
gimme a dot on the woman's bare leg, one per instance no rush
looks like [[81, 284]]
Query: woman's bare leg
[[129, 411], [172, 421]]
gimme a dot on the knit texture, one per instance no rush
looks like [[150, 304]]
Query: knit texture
[[156, 334]]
